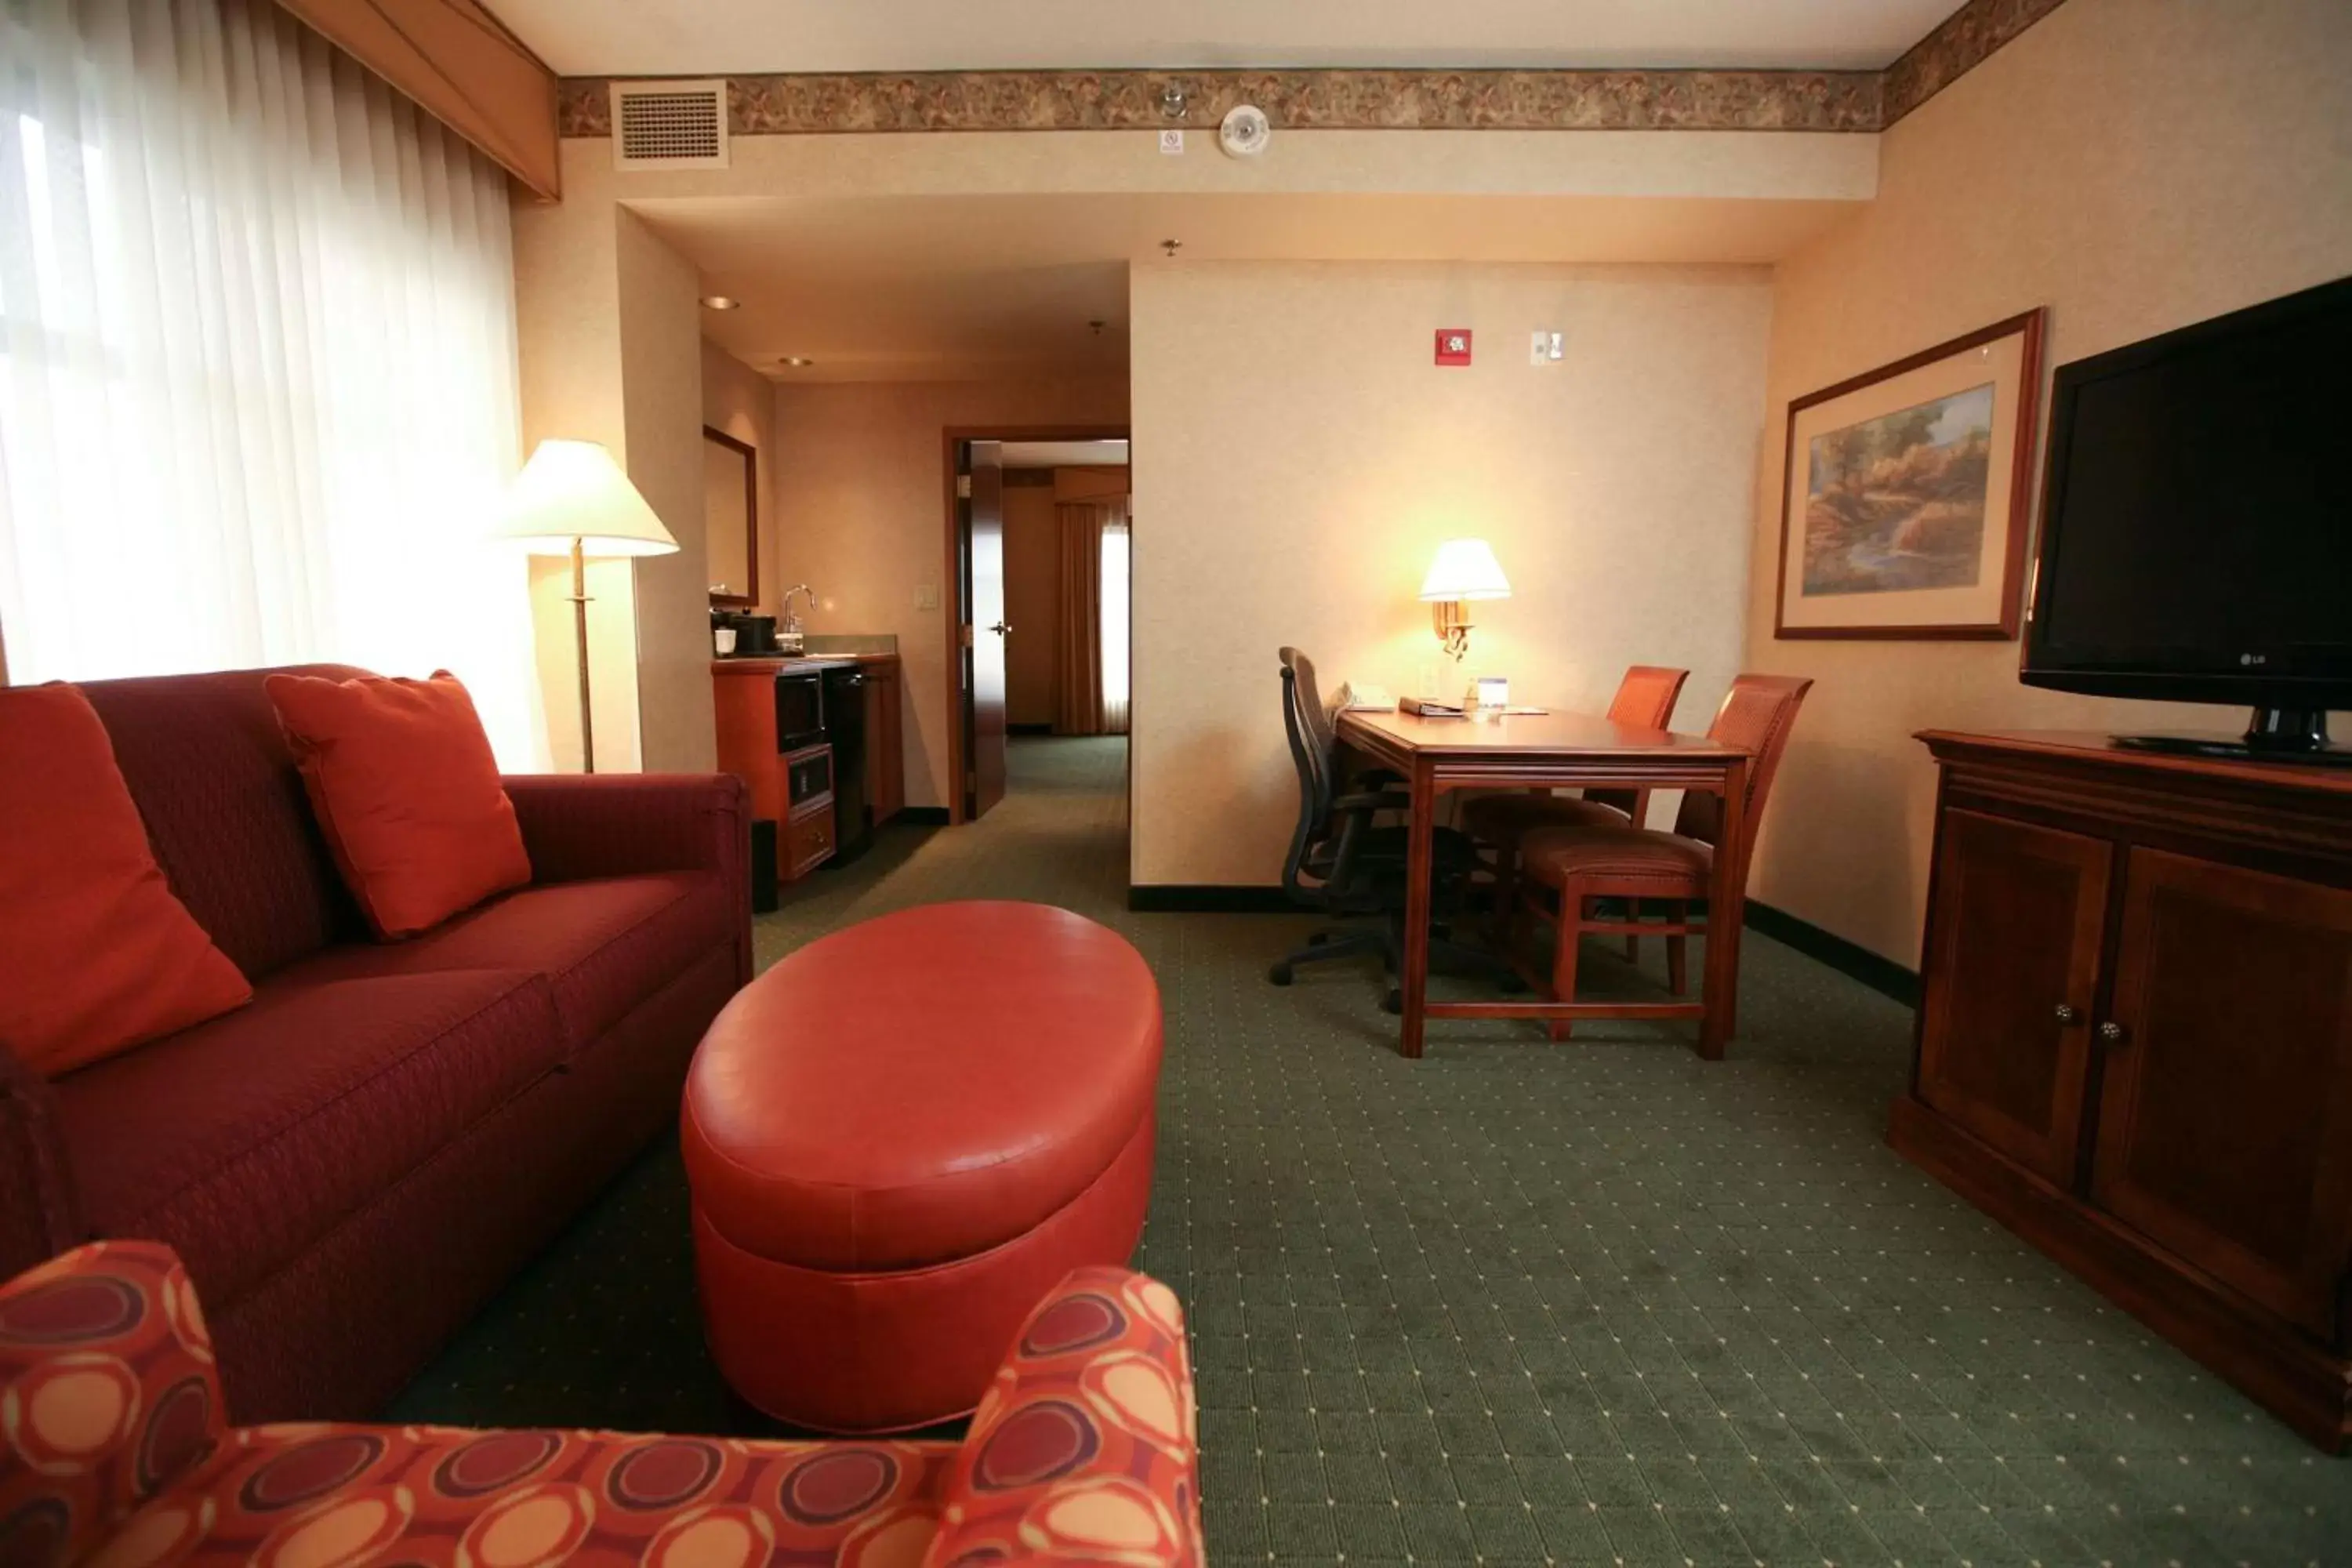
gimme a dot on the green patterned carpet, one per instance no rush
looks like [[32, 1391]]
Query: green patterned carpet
[[1520, 1303]]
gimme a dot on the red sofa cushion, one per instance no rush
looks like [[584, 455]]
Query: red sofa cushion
[[224, 810], [605, 945], [244, 1141], [96, 953], [922, 1087], [407, 793]]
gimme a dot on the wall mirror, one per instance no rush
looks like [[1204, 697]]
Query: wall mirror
[[731, 511]]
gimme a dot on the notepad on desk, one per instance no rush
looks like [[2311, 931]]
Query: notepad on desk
[[1431, 708]]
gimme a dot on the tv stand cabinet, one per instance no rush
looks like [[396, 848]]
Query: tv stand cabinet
[[2135, 1041]]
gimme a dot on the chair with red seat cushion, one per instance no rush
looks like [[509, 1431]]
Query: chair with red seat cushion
[[1580, 864], [116, 1452], [1646, 700]]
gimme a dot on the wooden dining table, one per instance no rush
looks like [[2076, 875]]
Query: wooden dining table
[[1549, 751]]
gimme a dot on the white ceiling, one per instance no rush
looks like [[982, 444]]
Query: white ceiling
[[964, 288], [1063, 454], [667, 38]]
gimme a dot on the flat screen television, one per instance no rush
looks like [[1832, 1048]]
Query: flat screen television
[[2196, 525]]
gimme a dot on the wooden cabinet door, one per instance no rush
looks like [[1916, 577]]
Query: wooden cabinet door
[[884, 764], [2225, 1117], [2013, 962]]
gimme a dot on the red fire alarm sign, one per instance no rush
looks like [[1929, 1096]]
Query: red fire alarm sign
[[1453, 346]]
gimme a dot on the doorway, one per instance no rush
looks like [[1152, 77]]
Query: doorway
[[1038, 553]]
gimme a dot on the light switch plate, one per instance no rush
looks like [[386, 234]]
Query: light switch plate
[[926, 596], [1546, 348]]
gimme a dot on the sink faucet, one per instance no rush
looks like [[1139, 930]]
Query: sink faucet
[[791, 618]]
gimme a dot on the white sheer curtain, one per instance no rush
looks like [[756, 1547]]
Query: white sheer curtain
[[257, 383], [1117, 541]]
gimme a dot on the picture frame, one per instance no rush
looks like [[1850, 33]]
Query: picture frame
[[1907, 493]]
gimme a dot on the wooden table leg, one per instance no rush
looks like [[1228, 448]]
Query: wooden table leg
[[1420, 852], [1726, 913]]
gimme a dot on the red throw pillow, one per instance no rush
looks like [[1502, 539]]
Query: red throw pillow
[[407, 793], [97, 954]]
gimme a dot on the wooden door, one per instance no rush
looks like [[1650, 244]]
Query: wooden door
[[2012, 964], [2225, 1116], [984, 631]]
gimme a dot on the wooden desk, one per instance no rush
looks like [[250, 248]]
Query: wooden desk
[[1552, 751]]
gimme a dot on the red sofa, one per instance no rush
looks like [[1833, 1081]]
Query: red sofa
[[352, 1164]]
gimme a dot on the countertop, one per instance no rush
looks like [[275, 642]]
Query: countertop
[[764, 665]]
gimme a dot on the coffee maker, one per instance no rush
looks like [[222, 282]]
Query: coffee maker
[[755, 635]]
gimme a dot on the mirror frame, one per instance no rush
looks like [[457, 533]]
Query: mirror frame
[[751, 515]]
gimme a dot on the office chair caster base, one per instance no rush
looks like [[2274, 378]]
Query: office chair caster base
[[1280, 975], [1393, 1003]]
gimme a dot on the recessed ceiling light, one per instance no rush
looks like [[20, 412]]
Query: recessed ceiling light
[[797, 362], [720, 302]]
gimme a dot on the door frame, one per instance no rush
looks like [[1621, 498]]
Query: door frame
[[951, 585]]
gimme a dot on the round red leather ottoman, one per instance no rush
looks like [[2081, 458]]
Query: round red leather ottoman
[[900, 1138]]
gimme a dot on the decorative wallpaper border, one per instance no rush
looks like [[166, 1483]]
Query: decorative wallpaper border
[[816, 104], [1960, 43], [837, 103]]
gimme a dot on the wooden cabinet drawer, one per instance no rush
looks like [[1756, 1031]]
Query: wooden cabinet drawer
[[808, 841]]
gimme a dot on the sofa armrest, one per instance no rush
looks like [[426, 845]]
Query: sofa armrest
[[577, 825], [1086, 1446], [37, 1217], [108, 1376]]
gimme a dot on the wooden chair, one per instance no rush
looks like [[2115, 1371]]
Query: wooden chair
[[1578, 865], [1646, 700]]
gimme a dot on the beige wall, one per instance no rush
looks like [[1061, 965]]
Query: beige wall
[[568, 336], [2132, 164], [661, 369], [1297, 458], [741, 402], [609, 350], [1032, 572], [860, 516]]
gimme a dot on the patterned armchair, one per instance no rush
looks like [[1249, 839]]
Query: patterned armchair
[[116, 1454]]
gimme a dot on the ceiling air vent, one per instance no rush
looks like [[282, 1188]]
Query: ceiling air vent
[[669, 125]]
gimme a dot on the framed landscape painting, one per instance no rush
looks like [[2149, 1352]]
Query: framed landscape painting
[[1907, 493]]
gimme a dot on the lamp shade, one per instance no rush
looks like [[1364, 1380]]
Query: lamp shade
[[1464, 569], [573, 490]]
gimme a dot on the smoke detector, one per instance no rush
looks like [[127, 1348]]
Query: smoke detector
[[1245, 131]]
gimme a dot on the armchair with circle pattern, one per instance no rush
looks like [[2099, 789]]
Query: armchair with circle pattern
[[115, 1452]]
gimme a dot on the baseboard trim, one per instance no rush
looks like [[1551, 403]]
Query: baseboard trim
[[922, 816], [1850, 959], [1203, 898], [1028, 729]]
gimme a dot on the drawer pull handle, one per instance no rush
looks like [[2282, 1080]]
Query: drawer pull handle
[[2111, 1033], [2066, 1014]]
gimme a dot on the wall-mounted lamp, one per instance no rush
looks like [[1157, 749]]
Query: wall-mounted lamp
[[1464, 569]]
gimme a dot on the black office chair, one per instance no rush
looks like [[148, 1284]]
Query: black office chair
[[1345, 864]]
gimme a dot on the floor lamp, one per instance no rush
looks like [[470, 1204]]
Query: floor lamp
[[572, 498]]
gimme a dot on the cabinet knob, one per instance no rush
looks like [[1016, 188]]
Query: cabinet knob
[[2066, 1014], [2111, 1033]]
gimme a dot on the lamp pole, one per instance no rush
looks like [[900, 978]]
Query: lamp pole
[[580, 631]]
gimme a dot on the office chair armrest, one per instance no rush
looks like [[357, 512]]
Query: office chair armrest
[[1373, 800]]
